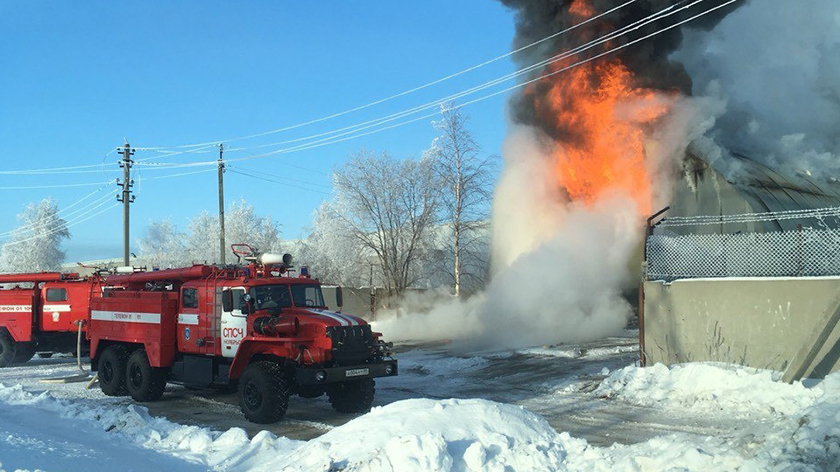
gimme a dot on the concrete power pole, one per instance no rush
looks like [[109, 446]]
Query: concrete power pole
[[126, 198], [221, 205]]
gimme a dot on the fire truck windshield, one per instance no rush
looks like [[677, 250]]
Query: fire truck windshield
[[271, 296], [280, 296], [307, 295]]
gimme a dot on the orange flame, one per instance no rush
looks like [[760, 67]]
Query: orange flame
[[603, 120]]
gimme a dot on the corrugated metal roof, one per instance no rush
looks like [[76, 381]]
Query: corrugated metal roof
[[767, 189]]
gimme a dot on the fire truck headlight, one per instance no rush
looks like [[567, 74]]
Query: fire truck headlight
[[389, 369], [320, 376]]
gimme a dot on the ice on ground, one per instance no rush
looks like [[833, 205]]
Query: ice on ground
[[801, 432]]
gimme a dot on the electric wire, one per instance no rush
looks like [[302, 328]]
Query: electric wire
[[664, 13], [400, 94], [58, 230], [284, 178], [30, 187], [50, 170], [332, 140], [258, 177], [60, 213], [661, 14]]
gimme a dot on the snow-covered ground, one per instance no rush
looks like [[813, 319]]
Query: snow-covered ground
[[552, 408]]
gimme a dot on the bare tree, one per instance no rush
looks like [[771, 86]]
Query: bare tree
[[465, 177], [388, 206]]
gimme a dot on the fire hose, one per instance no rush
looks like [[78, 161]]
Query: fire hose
[[84, 375]]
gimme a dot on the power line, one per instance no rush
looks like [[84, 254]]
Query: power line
[[668, 11], [485, 97], [289, 179], [349, 130], [56, 169], [89, 184], [60, 214], [400, 94], [57, 230], [285, 184]]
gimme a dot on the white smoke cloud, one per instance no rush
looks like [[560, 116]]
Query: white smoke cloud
[[777, 64], [560, 267], [567, 289]]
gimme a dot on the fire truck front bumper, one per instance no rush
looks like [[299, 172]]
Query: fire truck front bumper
[[319, 376]]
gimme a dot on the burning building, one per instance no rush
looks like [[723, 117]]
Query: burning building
[[627, 117]]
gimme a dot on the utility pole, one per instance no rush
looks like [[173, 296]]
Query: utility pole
[[221, 205], [126, 198]]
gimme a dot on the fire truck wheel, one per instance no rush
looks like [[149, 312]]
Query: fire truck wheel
[[25, 351], [111, 371], [263, 392], [355, 396], [145, 383], [8, 348]]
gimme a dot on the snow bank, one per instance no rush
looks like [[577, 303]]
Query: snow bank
[[231, 450], [801, 431], [710, 386], [422, 435]]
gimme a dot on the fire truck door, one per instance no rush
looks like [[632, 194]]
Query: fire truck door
[[234, 323]]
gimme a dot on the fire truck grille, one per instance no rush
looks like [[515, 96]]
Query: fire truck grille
[[352, 345]]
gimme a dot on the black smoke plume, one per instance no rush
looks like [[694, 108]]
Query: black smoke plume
[[648, 60]]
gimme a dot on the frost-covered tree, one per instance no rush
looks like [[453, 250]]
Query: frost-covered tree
[[466, 185], [242, 225], [202, 243], [335, 255], [163, 246], [36, 244], [387, 206]]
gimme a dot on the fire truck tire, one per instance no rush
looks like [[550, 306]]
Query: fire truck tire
[[111, 368], [144, 382], [263, 392], [355, 396], [8, 349], [25, 351]]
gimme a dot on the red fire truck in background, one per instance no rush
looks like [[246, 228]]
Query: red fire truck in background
[[251, 326], [43, 312]]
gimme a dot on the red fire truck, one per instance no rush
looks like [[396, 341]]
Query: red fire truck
[[43, 312], [253, 326]]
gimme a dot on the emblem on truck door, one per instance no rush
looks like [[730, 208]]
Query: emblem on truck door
[[187, 334]]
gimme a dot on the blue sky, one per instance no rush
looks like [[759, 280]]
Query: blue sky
[[78, 77]]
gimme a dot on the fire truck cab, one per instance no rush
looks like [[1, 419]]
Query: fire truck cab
[[43, 312], [249, 326]]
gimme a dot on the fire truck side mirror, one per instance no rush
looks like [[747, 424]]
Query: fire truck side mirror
[[249, 304], [339, 297]]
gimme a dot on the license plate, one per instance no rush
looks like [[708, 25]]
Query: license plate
[[356, 372]]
